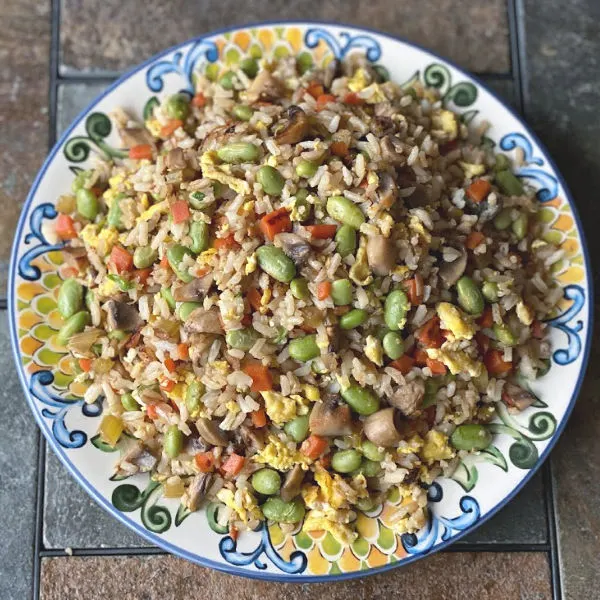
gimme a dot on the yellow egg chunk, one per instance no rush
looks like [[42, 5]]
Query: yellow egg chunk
[[453, 319]]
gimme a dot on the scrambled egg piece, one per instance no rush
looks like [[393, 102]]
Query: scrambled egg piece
[[453, 319], [280, 408], [373, 94], [107, 289], [333, 491], [403, 522], [446, 121], [177, 394], [103, 241], [411, 446], [232, 407], [436, 447], [251, 264], [205, 258], [311, 392], [457, 361], [358, 81], [374, 350], [159, 207], [471, 170], [247, 509], [280, 457], [416, 225], [153, 126], [360, 272], [335, 522], [221, 174], [524, 313]]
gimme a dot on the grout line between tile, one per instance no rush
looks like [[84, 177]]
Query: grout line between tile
[[550, 502]]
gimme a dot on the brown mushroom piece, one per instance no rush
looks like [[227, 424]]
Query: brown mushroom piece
[[251, 438], [516, 397], [409, 397], [328, 418], [194, 291], [122, 316], [135, 136], [211, 433], [387, 191], [296, 128], [391, 150], [292, 484], [175, 159], [381, 254], [381, 427], [196, 491], [451, 272], [204, 321], [382, 126], [294, 246], [264, 87], [139, 457], [419, 198]]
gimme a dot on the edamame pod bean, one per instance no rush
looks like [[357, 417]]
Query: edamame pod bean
[[70, 298], [341, 292], [470, 297], [177, 106], [502, 162], [266, 481], [519, 226], [129, 402], [297, 428], [275, 263], [74, 324], [304, 62], [271, 180], [113, 217], [395, 308], [345, 238], [504, 335], [299, 288], [508, 183], [471, 437], [371, 451], [175, 254], [80, 180], [346, 461], [241, 339], [354, 318], [304, 348], [250, 67], [196, 200], [362, 400], [117, 334], [87, 203], [238, 152], [193, 393], [242, 112], [302, 207], [226, 80], [345, 211], [278, 511], [393, 345], [173, 441], [186, 309], [365, 504], [144, 256], [370, 468], [168, 296], [199, 234], [306, 168], [489, 289], [503, 219]]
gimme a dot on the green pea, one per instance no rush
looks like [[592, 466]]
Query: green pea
[[129, 402], [503, 219], [177, 106], [471, 437], [70, 298], [113, 217], [395, 308], [80, 180], [173, 441], [266, 481], [187, 308], [345, 238], [489, 289], [168, 297], [144, 256], [242, 339], [304, 348], [275, 263], [297, 428], [470, 297], [345, 211], [354, 318], [306, 168], [504, 335], [250, 67], [432, 385], [519, 226], [227, 80], [193, 394], [346, 461], [502, 162], [117, 334], [362, 400], [271, 180], [196, 200], [278, 511], [299, 288], [175, 254], [508, 183], [371, 451], [370, 468], [341, 292], [199, 232], [87, 203], [74, 324], [243, 112], [238, 152], [304, 62], [393, 345], [365, 504]]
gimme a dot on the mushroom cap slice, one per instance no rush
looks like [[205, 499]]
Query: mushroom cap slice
[[292, 484], [328, 418], [381, 427], [122, 316], [211, 432], [451, 272]]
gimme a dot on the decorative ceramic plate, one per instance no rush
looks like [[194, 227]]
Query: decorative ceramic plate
[[481, 485]]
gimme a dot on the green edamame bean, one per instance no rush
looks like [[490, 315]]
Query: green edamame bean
[[393, 345], [370, 468], [271, 180], [489, 289], [341, 292], [173, 441], [362, 400], [196, 200], [199, 232], [74, 324], [117, 334], [238, 152], [70, 298], [186, 308], [365, 504], [302, 207], [519, 226], [471, 437], [304, 62], [470, 297], [175, 254], [227, 80], [304, 348], [504, 335], [113, 217], [302, 194], [168, 296], [278, 511], [503, 219], [395, 308], [345, 238], [87, 203], [297, 428], [241, 339], [354, 318], [80, 180], [243, 112], [266, 481], [306, 168], [502, 162], [371, 451], [275, 263], [345, 211], [299, 288], [144, 256], [177, 106], [346, 461], [128, 402], [508, 183], [250, 67], [193, 393]]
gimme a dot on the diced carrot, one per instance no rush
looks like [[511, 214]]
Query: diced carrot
[[70, 272], [226, 242], [420, 357], [85, 364], [167, 385], [414, 289], [275, 222], [435, 366], [199, 100], [483, 342], [339, 149], [325, 461], [478, 190], [315, 89], [170, 364], [364, 184], [205, 461], [259, 417], [254, 297], [323, 100], [323, 231], [495, 364], [234, 532], [486, 320], [97, 190], [353, 98], [233, 464], [307, 328], [262, 380], [246, 320], [202, 271], [183, 351], [121, 260], [537, 330], [323, 290], [140, 151], [151, 411], [429, 334], [180, 211], [403, 364], [474, 239], [164, 262], [314, 446], [65, 227], [170, 128], [142, 275]]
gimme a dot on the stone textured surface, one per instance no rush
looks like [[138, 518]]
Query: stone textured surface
[[114, 35], [24, 53], [72, 99], [455, 576], [18, 466]]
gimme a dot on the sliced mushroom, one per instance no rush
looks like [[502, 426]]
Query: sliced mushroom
[[292, 484], [294, 246], [264, 87], [135, 136], [139, 458], [252, 438], [382, 126], [381, 254], [516, 397], [409, 397], [204, 321], [196, 491], [175, 159], [328, 418], [387, 191], [381, 427], [81, 344], [391, 150], [195, 444], [211, 432], [194, 291], [296, 128], [419, 198], [451, 272], [74, 257], [122, 316]]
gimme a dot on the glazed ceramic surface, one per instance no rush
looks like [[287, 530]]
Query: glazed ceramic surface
[[481, 485]]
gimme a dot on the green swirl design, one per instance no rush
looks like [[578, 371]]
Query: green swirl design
[[156, 518], [98, 443], [437, 76], [97, 127], [542, 425], [182, 514], [461, 94], [212, 516], [128, 498], [149, 107], [523, 454]]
